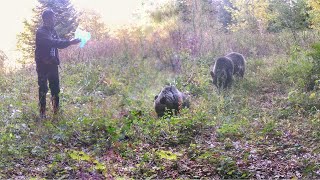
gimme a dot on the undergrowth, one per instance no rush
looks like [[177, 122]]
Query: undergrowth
[[108, 128]]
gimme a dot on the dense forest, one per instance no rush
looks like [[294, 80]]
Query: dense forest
[[265, 126]]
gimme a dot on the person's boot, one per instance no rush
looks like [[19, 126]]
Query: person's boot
[[42, 104], [43, 113], [55, 104]]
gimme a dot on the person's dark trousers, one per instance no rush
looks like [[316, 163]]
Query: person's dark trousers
[[48, 72]]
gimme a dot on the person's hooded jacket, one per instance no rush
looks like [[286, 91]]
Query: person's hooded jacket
[[47, 45]]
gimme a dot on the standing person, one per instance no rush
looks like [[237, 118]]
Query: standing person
[[47, 61]]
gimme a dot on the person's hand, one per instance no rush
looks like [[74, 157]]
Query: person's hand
[[75, 41]]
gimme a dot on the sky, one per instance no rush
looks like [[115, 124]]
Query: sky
[[113, 12], [118, 12], [11, 18], [14, 12]]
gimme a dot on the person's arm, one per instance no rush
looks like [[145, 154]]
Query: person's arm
[[71, 42], [45, 39]]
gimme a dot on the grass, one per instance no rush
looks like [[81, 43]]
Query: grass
[[262, 128]]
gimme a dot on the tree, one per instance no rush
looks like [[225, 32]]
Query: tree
[[314, 11], [291, 14], [91, 21], [250, 14], [66, 24], [224, 16]]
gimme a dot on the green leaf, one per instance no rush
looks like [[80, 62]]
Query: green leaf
[[79, 155], [230, 172], [167, 155], [100, 166]]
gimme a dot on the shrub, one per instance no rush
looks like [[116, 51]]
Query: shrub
[[314, 76]]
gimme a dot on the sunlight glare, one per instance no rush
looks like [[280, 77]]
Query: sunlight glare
[[114, 13]]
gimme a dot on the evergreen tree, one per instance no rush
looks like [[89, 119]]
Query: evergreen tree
[[66, 24]]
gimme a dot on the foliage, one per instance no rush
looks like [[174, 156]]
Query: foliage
[[294, 70], [314, 77], [164, 13], [270, 15], [314, 11], [167, 155], [3, 58], [289, 14], [91, 21], [252, 15]]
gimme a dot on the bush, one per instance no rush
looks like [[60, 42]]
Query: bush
[[314, 76], [304, 101], [294, 71]]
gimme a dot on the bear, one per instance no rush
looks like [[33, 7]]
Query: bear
[[239, 63], [170, 100], [222, 73]]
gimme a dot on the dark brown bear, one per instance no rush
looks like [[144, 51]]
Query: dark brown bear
[[222, 72], [170, 100], [239, 63]]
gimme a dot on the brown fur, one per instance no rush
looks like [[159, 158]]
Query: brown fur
[[222, 72], [239, 63], [170, 100]]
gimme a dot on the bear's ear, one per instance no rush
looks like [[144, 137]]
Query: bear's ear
[[163, 100], [155, 97]]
